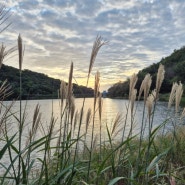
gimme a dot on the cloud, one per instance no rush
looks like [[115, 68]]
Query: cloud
[[140, 32]]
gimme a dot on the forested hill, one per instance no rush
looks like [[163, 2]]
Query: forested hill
[[37, 85], [174, 72]]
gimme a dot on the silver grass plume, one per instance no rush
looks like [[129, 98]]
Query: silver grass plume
[[116, 123], [182, 114], [20, 52], [75, 121], [96, 87], [178, 96], [98, 43], [145, 86], [160, 78], [35, 124], [150, 102], [88, 119], [132, 99], [94, 142], [100, 103], [72, 110], [70, 85], [70, 80], [63, 90], [4, 53], [133, 81], [172, 94]]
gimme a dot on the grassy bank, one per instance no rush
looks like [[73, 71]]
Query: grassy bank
[[70, 155]]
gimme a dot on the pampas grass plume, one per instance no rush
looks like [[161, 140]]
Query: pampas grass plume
[[182, 114], [145, 86], [116, 124], [132, 99], [88, 119], [72, 107], [172, 94], [100, 105], [178, 96], [63, 89], [160, 78], [70, 85], [150, 101], [97, 84], [20, 52], [98, 43], [133, 81]]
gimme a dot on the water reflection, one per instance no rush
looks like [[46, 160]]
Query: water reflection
[[111, 107]]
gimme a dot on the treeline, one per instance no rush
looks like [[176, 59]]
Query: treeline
[[36, 85], [174, 72]]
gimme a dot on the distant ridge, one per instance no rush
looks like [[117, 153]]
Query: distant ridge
[[37, 85], [174, 72]]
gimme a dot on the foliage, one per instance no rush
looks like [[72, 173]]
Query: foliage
[[37, 85], [174, 71], [119, 89]]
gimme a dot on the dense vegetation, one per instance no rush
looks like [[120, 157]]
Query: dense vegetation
[[174, 72], [37, 85]]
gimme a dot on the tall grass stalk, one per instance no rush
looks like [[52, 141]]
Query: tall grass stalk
[[96, 92], [144, 88], [4, 129], [47, 151], [62, 95], [170, 102], [151, 105], [20, 52], [96, 46], [132, 96], [100, 121], [32, 134], [88, 119]]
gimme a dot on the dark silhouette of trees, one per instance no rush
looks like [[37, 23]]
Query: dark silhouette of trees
[[37, 85], [174, 72]]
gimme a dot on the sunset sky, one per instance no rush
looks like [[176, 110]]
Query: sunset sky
[[56, 32]]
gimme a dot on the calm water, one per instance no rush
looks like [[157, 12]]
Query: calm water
[[111, 108]]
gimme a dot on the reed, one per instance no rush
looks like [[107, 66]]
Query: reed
[[21, 123]]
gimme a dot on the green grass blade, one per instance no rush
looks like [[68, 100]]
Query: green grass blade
[[113, 151], [115, 180], [8, 144], [156, 159], [24, 176]]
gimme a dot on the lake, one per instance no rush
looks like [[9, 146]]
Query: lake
[[110, 109]]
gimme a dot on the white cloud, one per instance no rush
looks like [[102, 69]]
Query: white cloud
[[56, 32]]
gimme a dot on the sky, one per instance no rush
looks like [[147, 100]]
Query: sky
[[58, 32]]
